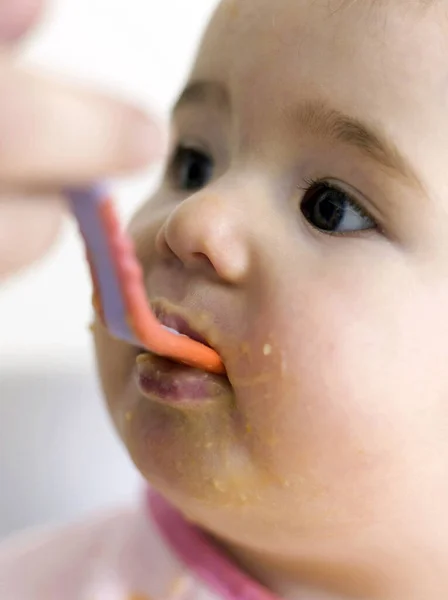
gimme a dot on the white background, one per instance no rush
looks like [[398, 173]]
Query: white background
[[58, 456]]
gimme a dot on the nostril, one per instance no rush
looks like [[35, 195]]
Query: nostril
[[203, 259]]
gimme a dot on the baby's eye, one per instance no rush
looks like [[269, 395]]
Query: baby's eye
[[191, 169], [331, 210]]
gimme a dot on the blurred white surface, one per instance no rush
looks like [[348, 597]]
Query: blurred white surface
[[58, 456]]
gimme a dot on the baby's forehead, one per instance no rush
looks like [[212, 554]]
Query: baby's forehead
[[284, 19], [400, 42]]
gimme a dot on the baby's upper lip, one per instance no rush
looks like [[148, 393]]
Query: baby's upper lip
[[170, 318]]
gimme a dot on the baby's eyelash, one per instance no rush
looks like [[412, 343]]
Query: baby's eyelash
[[309, 182]]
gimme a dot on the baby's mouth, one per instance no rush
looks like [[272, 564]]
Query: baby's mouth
[[173, 321], [166, 382], [163, 380], [178, 325]]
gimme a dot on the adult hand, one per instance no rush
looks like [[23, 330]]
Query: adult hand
[[53, 135]]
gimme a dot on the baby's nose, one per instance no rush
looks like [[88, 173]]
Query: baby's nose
[[207, 232]]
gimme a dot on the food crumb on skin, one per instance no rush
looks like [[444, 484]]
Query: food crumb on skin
[[233, 9], [144, 357], [128, 416], [219, 486], [267, 349]]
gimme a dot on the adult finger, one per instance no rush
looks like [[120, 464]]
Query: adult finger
[[55, 134], [17, 17]]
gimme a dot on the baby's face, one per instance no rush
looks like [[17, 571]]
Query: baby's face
[[302, 229]]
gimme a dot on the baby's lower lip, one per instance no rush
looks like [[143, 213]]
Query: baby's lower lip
[[162, 380]]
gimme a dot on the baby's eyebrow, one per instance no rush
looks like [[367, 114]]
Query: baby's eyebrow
[[320, 119]]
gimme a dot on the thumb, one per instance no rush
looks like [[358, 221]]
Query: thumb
[[17, 17]]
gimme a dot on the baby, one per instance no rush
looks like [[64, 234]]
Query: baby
[[301, 230]]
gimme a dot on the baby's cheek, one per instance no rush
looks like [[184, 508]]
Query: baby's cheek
[[311, 392], [340, 408]]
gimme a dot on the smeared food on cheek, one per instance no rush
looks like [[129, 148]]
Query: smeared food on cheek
[[202, 454]]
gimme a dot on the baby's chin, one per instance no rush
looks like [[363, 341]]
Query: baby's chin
[[202, 467], [197, 452]]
